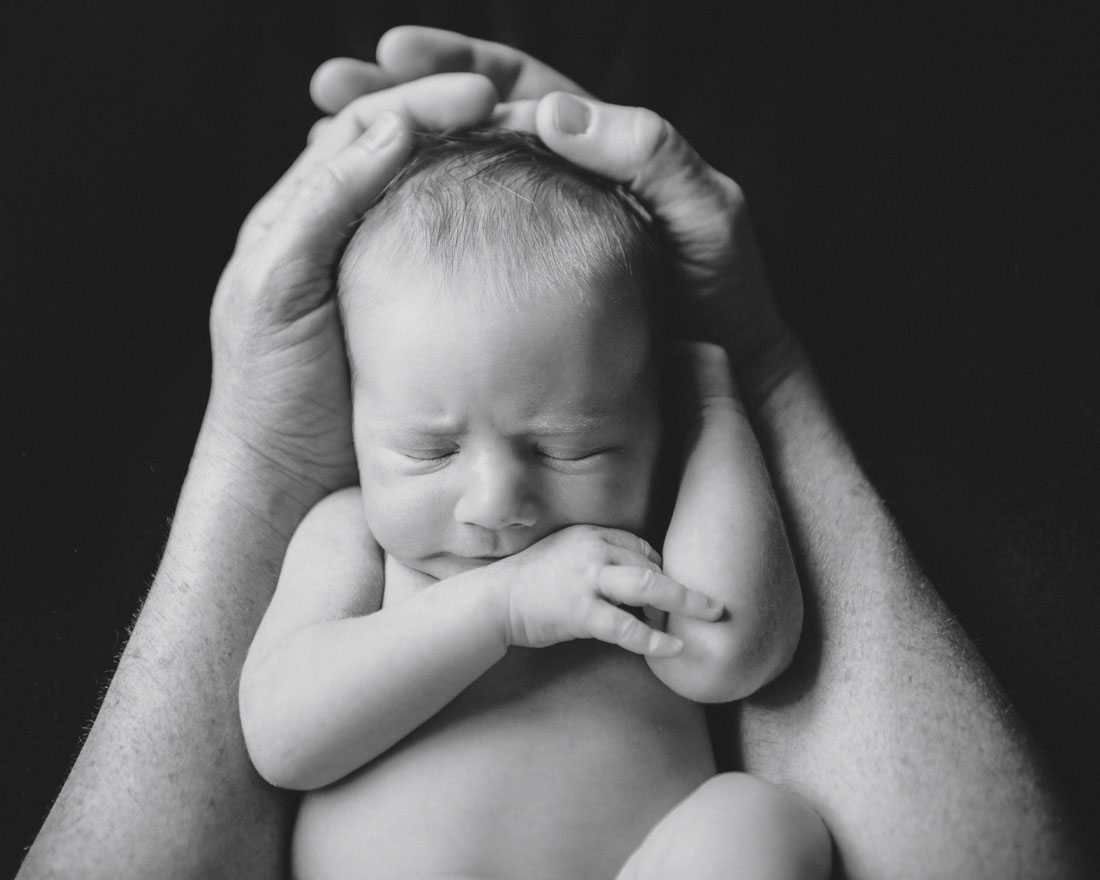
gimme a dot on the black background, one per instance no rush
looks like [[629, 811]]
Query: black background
[[924, 184]]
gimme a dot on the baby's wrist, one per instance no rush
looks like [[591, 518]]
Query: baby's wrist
[[493, 600]]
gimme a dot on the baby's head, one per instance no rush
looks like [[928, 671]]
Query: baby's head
[[502, 320]]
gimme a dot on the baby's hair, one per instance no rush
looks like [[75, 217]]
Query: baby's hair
[[499, 205]]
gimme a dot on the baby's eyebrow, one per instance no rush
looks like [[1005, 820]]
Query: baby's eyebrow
[[415, 430], [573, 423], [539, 425]]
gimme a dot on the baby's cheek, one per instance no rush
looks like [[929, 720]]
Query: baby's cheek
[[405, 516], [618, 499]]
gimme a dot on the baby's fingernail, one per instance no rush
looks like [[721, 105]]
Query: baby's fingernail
[[571, 115], [382, 132], [665, 645]]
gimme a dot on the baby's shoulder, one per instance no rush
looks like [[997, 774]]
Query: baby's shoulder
[[333, 541], [336, 517]]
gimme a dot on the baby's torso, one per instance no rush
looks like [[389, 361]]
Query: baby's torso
[[554, 764]]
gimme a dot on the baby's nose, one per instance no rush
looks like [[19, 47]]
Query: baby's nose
[[496, 495]]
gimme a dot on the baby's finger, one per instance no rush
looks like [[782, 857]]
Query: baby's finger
[[631, 545], [638, 587], [618, 627], [437, 103]]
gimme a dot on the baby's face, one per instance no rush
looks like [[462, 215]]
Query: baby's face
[[481, 429]]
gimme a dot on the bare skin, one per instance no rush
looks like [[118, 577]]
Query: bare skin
[[163, 786], [552, 749], [429, 699]]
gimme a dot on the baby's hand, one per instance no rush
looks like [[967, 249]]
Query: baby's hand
[[572, 584]]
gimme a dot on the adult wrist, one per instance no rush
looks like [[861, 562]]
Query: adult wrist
[[767, 365], [227, 464]]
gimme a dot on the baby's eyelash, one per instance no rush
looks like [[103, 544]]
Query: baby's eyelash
[[568, 455], [429, 454]]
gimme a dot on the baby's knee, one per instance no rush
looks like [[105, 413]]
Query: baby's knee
[[777, 826], [753, 829]]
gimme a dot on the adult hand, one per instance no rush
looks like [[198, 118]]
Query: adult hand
[[280, 388], [408, 53], [726, 297]]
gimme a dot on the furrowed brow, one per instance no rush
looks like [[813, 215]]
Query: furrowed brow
[[570, 424]]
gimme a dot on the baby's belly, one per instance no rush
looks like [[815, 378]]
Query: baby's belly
[[553, 766]]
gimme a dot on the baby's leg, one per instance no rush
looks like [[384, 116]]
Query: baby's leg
[[735, 825]]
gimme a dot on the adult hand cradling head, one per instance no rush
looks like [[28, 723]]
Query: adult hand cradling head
[[280, 391], [724, 292]]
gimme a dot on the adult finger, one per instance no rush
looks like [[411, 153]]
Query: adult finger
[[409, 52], [636, 147], [339, 81], [516, 115], [701, 212], [436, 103], [618, 627], [304, 241]]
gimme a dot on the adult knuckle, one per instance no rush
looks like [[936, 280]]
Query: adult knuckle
[[651, 134], [730, 193], [257, 271], [322, 183], [318, 128], [254, 223]]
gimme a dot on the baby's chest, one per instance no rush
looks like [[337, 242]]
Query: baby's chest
[[552, 750]]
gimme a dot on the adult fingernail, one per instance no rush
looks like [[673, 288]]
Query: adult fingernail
[[571, 115], [381, 132]]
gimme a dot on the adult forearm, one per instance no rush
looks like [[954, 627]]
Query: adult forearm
[[162, 786], [888, 721]]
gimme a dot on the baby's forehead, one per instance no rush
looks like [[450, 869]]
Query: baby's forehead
[[477, 284]]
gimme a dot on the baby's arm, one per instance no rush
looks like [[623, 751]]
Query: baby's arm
[[330, 680], [726, 539]]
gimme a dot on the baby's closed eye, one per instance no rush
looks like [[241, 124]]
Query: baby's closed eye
[[574, 457]]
